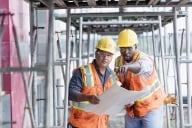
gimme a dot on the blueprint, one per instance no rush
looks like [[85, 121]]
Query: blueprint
[[114, 100]]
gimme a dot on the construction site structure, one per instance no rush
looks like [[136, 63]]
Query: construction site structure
[[42, 41]]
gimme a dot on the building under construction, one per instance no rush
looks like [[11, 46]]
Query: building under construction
[[42, 41]]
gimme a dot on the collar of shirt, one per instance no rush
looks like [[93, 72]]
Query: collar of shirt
[[104, 77]]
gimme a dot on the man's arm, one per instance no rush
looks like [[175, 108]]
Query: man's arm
[[75, 87], [144, 66], [132, 67]]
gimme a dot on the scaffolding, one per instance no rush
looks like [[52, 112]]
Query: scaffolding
[[43, 99]]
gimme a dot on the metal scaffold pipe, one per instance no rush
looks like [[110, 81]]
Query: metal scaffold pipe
[[68, 48], [2, 26], [189, 68], [120, 22], [22, 69], [60, 56], [181, 120], [48, 121], [162, 49], [153, 40], [80, 39], [116, 14]]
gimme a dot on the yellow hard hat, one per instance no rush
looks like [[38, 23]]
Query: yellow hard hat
[[127, 38], [106, 44]]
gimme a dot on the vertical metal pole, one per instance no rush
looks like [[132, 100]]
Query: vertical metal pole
[[32, 50], [147, 42], [162, 52], [167, 70], [143, 45], [153, 43], [88, 47], [76, 47], [181, 123], [165, 41], [2, 27], [162, 48], [189, 67], [60, 56], [31, 11], [54, 94], [34, 83], [94, 44], [80, 39], [59, 103], [49, 65], [68, 48], [54, 81]]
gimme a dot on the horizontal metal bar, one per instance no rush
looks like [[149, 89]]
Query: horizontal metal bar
[[40, 99], [63, 61], [59, 107], [22, 69], [86, 56], [60, 63], [72, 59], [59, 85], [8, 122], [172, 105], [185, 61], [188, 125], [8, 13], [114, 14], [169, 57], [120, 22]]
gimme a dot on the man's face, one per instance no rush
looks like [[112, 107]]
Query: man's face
[[103, 58], [128, 52]]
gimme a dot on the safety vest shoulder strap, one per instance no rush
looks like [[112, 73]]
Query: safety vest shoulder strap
[[113, 77], [118, 61], [88, 79]]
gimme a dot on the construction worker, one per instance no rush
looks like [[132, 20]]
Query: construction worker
[[136, 71], [88, 82]]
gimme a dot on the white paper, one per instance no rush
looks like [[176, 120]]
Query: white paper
[[114, 100]]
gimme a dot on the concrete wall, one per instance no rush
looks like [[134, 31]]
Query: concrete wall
[[12, 82]]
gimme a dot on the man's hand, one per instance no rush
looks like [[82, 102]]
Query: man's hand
[[86, 97], [93, 99], [132, 67], [129, 105], [123, 69], [169, 99]]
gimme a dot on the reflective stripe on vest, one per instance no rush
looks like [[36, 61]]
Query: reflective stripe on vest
[[80, 105], [119, 61], [113, 78], [89, 81], [152, 88]]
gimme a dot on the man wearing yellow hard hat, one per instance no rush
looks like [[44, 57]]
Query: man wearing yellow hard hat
[[87, 83], [136, 71]]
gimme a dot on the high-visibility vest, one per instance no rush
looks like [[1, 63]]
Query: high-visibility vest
[[154, 99], [91, 85]]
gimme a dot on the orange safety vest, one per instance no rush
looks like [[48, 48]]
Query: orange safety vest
[[93, 86], [136, 82]]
